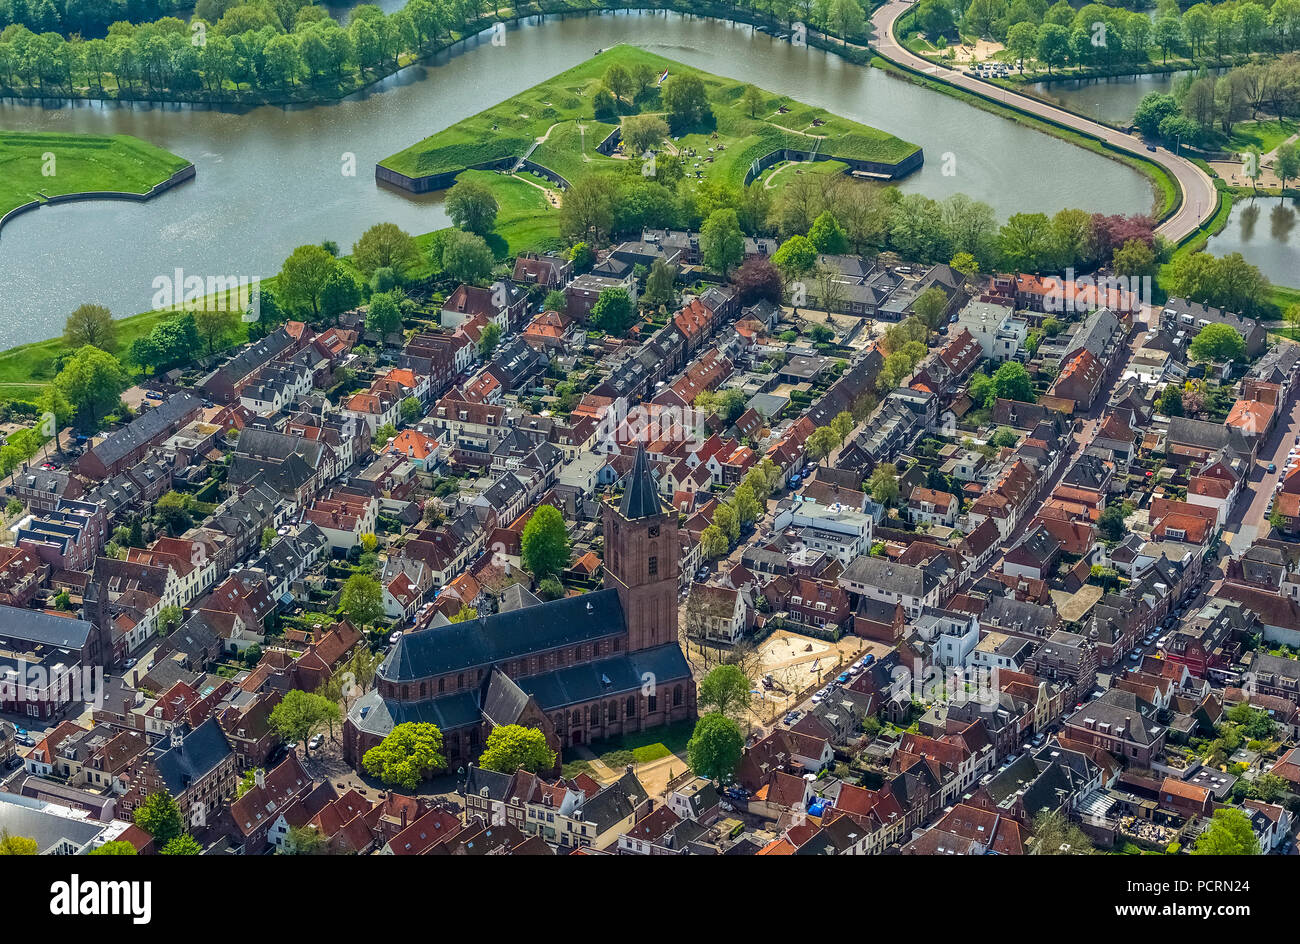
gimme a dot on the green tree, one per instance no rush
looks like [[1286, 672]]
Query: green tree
[[160, 817], [545, 543], [725, 517], [362, 600], [613, 312], [714, 543], [466, 257], [821, 443], [472, 207], [1170, 402], [1022, 41], [930, 306], [643, 133], [91, 380], [1004, 436], [90, 324], [214, 324], [550, 588], [489, 339], [1111, 522], [169, 617], [1218, 342], [795, 257], [513, 746], [751, 100], [714, 749], [686, 101], [842, 425], [660, 284], [726, 690], [556, 300], [1134, 259], [384, 315], [117, 847], [722, 245], [385, 245], [304, 840], [301, 714], [1229, 833], [827, 235], [883, 484], [1286, 163], [411, 752], [17, 845], [1053, 45], [340, 293], [1011, 382], [302, 279], [183, 844], [1054, 834]]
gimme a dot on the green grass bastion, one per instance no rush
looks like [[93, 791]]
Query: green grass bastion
[[40, 168], [552, 126]]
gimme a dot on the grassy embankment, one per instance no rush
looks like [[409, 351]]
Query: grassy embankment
[[80, 163], [560, 111]]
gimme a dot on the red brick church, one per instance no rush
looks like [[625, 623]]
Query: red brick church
[[580, 668]]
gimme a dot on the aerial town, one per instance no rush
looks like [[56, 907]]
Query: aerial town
[[658, 463]]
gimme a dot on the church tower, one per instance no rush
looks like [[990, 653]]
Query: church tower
[[641, 558]]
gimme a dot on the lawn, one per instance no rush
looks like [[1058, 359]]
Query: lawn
[[1265, 135], [32, 164], [560, 111], [643, 747]]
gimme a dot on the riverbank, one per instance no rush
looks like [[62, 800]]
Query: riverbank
[[37, 169], [1167, 197], [358, 78], [205, 228]]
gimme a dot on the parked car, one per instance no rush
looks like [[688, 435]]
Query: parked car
[[25, 740], [1272, 466], [316, 741]]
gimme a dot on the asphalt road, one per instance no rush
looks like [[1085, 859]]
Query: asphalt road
[[1251, 509], [1199, 199]]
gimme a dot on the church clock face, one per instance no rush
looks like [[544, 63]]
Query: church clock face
[[654, 530]]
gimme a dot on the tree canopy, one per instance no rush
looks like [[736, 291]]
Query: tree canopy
[[510, 747], [545, 543], [411, 752], [714, 749]]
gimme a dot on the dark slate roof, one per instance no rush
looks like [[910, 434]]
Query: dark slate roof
[[617, 801], [37, 627], [145, 427], [502, 636], [478, 780], [378, 716], [640, 490], [517, 597], [503, 700], [201, 750], [612, 677]]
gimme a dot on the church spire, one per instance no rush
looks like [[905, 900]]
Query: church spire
[[640, 490]]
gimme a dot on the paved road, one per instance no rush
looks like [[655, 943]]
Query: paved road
[[1199, 198], [1251, 509]]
